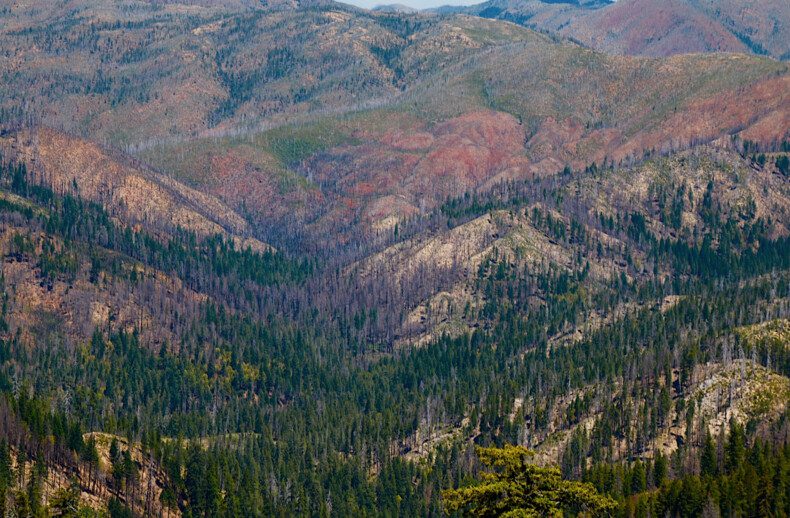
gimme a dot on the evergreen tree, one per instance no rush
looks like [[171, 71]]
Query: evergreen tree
[[708, 465], [515, 487]]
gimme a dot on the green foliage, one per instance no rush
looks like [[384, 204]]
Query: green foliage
[[66, 501], [118, 509], [201, 262], [292, 144], [516, 488], [756, 487], [287, 401], [708, 462]]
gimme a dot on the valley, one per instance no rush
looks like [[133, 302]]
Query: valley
[[303, 259]]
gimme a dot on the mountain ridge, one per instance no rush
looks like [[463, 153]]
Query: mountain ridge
[[645, 27], [305, 259]]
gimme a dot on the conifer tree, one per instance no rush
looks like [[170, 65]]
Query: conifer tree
[[516, 488]]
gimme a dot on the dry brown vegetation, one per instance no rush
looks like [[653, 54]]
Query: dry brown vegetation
[[463, 193], [127, 189], [453, 259], [71, 309], [248, 104], [644, 27]]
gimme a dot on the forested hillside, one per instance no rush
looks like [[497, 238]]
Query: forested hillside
[[301, 259]]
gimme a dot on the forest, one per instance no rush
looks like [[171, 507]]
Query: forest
[[270, 404], [307, 259]]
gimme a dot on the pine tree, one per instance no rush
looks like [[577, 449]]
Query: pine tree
[[708, 465], [660, 469], [516, 487], [6, 474], [736, 446], [66, 501]]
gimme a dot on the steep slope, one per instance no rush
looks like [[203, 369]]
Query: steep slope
[[76, 268], [78, 284], [146, 71], [681, 192], [523, 109], [575, 313], [508, 239], [326, 120], [444, 278], [649, 28], [762, 24], [127, 189]]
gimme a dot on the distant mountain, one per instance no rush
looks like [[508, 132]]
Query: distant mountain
[[334, 119], [395, 8], [656, 28]]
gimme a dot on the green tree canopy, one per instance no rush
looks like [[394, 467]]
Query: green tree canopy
[[515, 488]]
